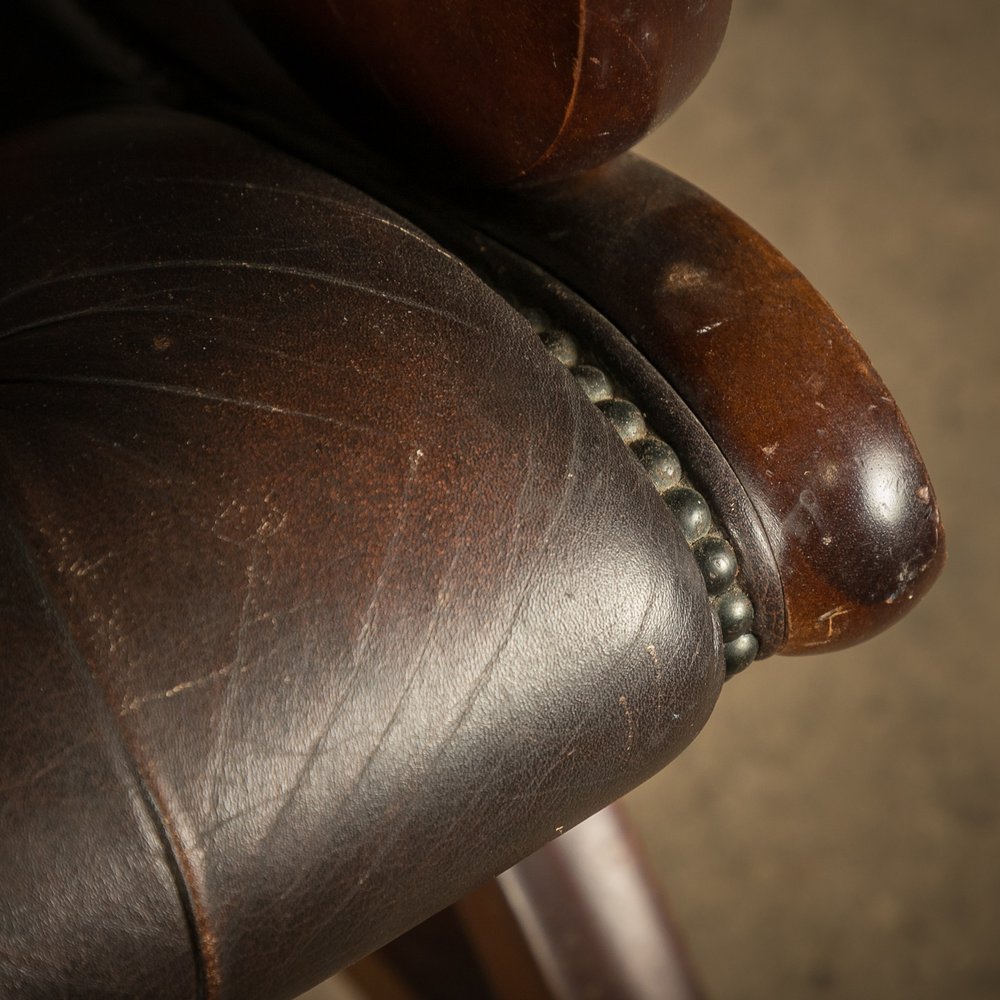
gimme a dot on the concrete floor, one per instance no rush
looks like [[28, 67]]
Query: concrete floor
[[835, 831]]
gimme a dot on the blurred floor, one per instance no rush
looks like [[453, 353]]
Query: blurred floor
[[835, 831]]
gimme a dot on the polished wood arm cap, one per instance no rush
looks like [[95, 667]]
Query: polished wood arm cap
[[520, 91], [788, 395], [325, 594]]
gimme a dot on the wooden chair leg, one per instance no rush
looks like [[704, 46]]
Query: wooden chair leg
[[579, 918], [593, 918]]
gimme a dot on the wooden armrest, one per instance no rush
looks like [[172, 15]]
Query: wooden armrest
[[511, 92], [809, 429]]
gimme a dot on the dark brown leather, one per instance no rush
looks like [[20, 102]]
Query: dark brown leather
[[665, 412], [326, 592], [89, 905]]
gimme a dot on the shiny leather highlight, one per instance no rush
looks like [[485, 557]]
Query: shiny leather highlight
[[342, 596]]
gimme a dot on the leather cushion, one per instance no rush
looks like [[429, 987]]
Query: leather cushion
[[327, 593]]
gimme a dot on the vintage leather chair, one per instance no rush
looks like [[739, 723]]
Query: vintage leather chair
[[386, 484]]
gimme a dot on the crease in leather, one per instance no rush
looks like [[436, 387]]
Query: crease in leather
[[503, 267], [153, 809], [244, 892]]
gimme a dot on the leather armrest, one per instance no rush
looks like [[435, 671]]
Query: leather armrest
[[326, 592]]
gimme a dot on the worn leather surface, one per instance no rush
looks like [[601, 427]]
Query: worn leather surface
[[89, 905], [325, 592]]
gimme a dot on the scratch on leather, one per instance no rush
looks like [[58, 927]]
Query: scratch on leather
[[136, 703], [358, 656], [339, 203], [629, 723], [267, 267], [419, 660]]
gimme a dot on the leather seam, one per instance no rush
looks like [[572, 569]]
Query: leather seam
[[146, 796]]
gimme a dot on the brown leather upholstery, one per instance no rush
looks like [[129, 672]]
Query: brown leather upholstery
[[343, 597]]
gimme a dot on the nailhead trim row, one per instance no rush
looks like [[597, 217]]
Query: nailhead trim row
[[713, 553]]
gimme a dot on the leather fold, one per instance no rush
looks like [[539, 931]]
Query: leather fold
[[374, 600]]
